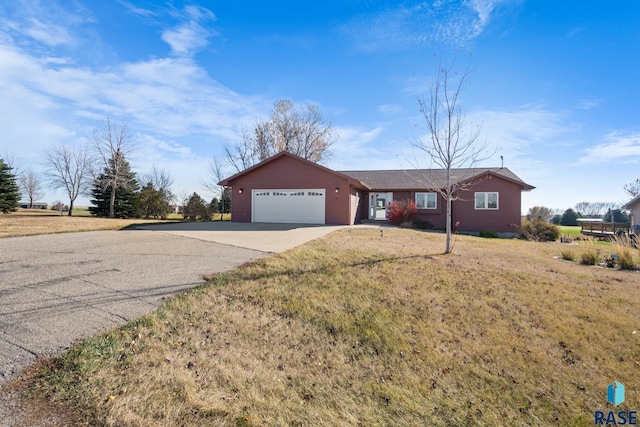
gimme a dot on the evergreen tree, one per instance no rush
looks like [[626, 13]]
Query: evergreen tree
[[618, 216], [126, 202], [196, 209], [9, 191], [153, 202], [569, 217]]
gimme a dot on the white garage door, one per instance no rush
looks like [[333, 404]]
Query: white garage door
[[300, 206]]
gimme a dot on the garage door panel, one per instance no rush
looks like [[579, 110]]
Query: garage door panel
[[303, 206]]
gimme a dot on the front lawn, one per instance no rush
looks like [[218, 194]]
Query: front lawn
[[355, 329]]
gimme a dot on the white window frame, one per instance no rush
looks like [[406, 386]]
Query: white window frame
[[486, 206], [435, 200]]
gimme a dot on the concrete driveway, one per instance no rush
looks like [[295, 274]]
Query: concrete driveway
[[260, 237], [57, 289]]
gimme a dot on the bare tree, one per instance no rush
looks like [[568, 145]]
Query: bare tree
[[30, 186], [113, 143], [157, 192], [69, 169], [541, 212], [161, 180], [302, 131], [14, 161], [448, 144], [243, 155], [216, 174], [633, 188]]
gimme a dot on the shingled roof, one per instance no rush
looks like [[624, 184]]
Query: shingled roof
[[414, 179]]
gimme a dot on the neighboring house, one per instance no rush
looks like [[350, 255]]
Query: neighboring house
[[288, 189], [634, 207], [36, 205]]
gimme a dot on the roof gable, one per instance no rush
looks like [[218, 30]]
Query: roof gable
[[278, 157], [631, 204]]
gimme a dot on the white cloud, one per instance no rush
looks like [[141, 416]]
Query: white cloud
[[186, 38], [136, 10], [44, 21], [189, 37], [389, 109], [48, 33], [406, 27], [617, 146]]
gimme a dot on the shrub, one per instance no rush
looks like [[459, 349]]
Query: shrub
[[590, 255], [421, 224], [539, 230], [401, 211], [488, 234], [568, 255], [623, 247]]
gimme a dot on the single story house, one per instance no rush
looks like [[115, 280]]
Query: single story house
[[36, 205], [289, 189], [634, 207]]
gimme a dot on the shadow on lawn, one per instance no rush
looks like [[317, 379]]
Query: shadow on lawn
[[298, 272]]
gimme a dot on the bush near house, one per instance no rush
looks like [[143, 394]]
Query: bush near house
[[539, 230], [421, 224], [401, 211]]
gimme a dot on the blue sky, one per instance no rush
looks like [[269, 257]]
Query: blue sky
[[554, 87]]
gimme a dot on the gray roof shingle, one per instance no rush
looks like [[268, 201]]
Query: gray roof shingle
[[414, 179]]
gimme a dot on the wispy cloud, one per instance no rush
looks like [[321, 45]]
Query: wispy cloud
[[190, 36], [390, 109], [413, 25], [616, 146], [137, 10], [517, 134]]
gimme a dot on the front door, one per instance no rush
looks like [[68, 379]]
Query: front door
[[379, 205]]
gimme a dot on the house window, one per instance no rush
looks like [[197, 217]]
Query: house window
[[426, 201], [486, 200]]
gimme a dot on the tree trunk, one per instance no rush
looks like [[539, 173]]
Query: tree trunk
[[70, 208], [112, 201], [448, 243]]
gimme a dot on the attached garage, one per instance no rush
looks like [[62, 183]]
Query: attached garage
[[296, 206], [289, 189]]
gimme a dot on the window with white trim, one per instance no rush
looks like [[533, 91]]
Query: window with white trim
[[426, 200], [488, 200]]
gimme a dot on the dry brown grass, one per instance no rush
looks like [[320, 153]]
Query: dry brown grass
[[27, 222], [357, 330]]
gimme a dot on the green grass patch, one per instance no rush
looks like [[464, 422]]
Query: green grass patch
[[570, 230], [352, 330]]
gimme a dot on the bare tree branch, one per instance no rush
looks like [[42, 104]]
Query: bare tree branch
[[30, 186], [302, 131], [216, 174], [69, 169], [112, 142], [449, 143]]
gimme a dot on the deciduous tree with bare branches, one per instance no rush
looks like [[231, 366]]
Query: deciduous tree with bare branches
[[303, 131], [450, 143], [216, 174], [69, 169], [113, 142], [31, 186]]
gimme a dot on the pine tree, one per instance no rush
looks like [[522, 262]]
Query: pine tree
[[126, 204], [9, 191]]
